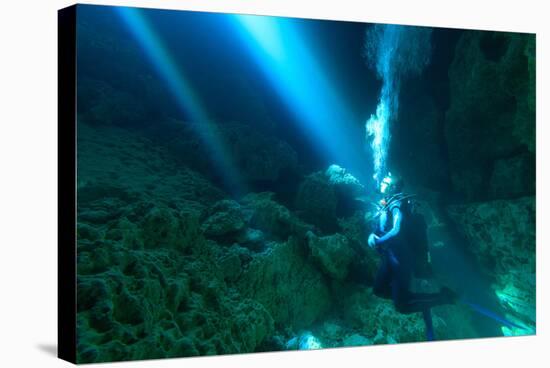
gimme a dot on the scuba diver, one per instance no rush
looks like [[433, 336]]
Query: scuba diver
[[400, 238]]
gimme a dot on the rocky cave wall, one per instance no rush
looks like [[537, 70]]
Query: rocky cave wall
[[490, 131], [473, 159]]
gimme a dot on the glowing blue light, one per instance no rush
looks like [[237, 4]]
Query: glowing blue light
[[180, 87], [285, 57]]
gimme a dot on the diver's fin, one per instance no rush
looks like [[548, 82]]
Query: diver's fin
[[491, 314], [427, 315]]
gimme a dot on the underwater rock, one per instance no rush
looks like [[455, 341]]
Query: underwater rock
[[305, 341], [316, 201], [90, 292], [164, 227], [325, 197], [244, 253], [364, 263], [104, 195], [126, 232], [97, 216], [501, 235], [226, 220], [273, 219], [377, 319], [355, 228], [255, 324], [85, 231], [491, 115], [290, 287], [332, 330], [253, 239], [121, 167], [149, 284], [333, 253], [356, 340], [231, 266], [96, 257], [338, 176], [182, 271], [513, 177], [159, 305], [382, 338], [351, 195]]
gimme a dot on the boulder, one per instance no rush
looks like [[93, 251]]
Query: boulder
[[253, 239], [316, 201], [513, 177], [332, 330], [291, 288], [343, 179], [304, 341], [273, 219], [165, 227], [377, 318], [333, 254], [226, 220]]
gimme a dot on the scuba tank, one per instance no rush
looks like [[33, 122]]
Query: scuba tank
[[413, 235]]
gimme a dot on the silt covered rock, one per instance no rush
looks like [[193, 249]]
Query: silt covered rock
[[287, 284], [225, 220], [333, 254], [316, 201], [262, 212]]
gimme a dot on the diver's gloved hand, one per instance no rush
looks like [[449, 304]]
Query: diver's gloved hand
[[372, 240]]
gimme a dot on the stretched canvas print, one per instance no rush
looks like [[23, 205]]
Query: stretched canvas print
[[238, 183]]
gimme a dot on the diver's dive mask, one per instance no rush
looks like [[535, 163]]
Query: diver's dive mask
[[385, 185], [390, 184]]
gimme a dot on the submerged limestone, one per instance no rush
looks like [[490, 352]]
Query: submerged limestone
[[170, 266], [492, 115], [333, 253], [290, 287], [501, 235]]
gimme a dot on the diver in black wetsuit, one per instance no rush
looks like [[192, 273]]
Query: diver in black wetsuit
[[395, 240]]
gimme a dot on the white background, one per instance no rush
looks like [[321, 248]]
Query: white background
[[28, 182]]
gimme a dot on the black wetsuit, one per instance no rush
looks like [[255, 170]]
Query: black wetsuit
[[397, 267]]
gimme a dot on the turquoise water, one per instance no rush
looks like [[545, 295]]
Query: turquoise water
[[210, 219]]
